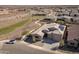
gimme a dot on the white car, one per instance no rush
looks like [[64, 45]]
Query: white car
[[11, 42]]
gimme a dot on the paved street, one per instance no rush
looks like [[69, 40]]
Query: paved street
[[20, 48]]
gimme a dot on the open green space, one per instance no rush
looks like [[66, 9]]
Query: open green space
[[61, 21], [13, 27]]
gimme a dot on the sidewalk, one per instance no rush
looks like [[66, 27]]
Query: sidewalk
[[42, 48]]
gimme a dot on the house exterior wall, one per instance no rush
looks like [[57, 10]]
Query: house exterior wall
[[55, 37], [36, 37], [76, 20]]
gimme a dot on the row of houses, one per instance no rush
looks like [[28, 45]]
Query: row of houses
[[71, 16], [68, 15], [69, 19], [55, 31]]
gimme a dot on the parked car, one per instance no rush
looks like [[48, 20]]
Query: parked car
[[10, 42]]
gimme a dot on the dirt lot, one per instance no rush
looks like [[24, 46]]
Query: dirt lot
[[7, 20], [28, 26]]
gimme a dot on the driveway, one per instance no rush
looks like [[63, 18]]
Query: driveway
[[47, 44]]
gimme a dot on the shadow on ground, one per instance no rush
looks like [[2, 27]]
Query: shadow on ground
[[70, 49], [49, 41]]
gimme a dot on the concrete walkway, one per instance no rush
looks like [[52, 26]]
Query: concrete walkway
[[51, 46]]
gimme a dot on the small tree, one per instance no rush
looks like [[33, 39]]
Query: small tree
[[61, 43]]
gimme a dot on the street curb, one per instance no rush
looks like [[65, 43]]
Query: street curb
[[41, 48]]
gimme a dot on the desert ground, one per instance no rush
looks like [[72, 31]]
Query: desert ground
[[15, 21]]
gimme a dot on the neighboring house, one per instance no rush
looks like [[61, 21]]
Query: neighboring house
[[69, 19], [37, 13], [73, 36], [49, 19], [72, 19], [64, 18], [64, 13], [74, 12], [71, 16], [76, 19], [52, 31]]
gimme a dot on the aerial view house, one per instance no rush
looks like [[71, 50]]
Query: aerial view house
[[48, 19], [51, 31], [69, 16], [39, 29], [37, 13]]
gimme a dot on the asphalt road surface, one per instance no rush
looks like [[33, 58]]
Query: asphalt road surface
[[19, 48]]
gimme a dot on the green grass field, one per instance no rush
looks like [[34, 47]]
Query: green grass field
[[11, 28]]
